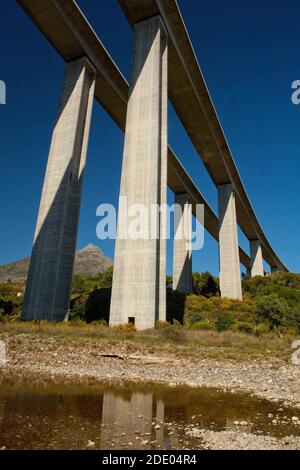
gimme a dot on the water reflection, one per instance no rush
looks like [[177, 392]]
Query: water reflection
[[2, 409], [125, 421], [69, 416]]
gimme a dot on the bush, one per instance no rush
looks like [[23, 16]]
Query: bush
[[261, 329], [273, 310], [205, 284], [174, 333], [243, 326], [195, 317], [99, 323], [294, 319], [203, 325], [225, 321], [78, 284], [90, 307], [269, 303]]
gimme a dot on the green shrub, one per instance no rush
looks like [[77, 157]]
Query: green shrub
[[243, 326], [195, 317], [225, 321], [78, 284], [273, 310], [202, 325], [205, 284], [294, 318], [99, 323], [261, 329], [176, 323]]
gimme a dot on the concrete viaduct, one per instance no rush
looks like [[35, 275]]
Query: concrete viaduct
[[163, 66]]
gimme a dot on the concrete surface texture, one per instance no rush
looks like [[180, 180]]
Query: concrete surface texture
[[257, 265], [182, 256], [230, 273], [51, 267], [139, 281]]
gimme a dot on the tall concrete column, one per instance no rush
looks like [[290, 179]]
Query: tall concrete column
[[257, 265], [274, 269], [182, 257], [51, 267], [139, 280], [230, 273]]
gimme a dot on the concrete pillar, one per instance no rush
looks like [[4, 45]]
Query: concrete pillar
[[274, 269], [51, 267], [139, 280], [182, 257], [257, 265], [230, 273]]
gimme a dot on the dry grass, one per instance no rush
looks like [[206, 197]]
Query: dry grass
[[177, 341]]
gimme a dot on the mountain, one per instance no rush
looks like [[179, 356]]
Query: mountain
[[88, 263]]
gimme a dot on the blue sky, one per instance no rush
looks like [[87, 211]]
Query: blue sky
[[249, 54]]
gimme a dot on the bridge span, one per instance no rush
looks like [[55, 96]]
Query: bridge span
[[163, 52]]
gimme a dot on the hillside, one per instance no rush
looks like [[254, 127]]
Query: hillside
[[89, 262]]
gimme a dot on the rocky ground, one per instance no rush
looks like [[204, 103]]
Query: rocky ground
[[240, 440], [272, 379]]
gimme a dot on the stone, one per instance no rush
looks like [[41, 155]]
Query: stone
[[91, 444]]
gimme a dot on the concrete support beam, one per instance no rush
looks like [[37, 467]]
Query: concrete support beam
[[274, 269], [139, 281], [230, 273], [182, 258], [51, 267], [257, 265]]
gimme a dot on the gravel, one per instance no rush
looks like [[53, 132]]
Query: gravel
[[276, 381]]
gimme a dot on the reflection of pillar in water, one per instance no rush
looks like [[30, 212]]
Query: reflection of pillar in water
[[125, 420], [2, 410], [160, 417]]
